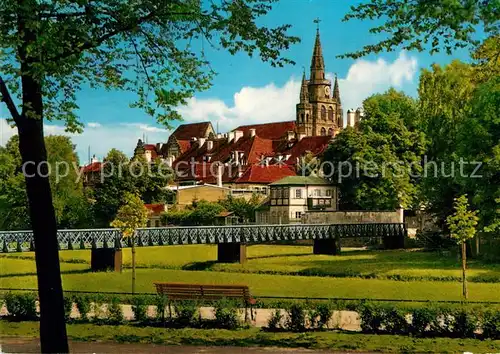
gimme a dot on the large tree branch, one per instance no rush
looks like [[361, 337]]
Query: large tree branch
[[120, 28], [7, 98]]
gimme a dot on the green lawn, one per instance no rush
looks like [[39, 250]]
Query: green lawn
[[254, 337], [355, 274], [299, 260], [271, 285]]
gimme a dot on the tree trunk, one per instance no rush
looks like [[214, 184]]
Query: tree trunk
[[43, 221], [29, 123], [464, 266], [133, 264]]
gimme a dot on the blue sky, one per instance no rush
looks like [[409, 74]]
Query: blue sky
[[248, 91]]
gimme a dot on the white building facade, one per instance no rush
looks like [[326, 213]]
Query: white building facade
[[291, 197]]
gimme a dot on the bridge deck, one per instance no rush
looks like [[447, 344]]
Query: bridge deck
[[22, 241]]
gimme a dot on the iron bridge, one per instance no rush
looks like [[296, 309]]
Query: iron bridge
[[22, 241]]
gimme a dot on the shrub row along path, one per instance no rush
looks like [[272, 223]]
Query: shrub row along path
[[346, 320], [27, 345]]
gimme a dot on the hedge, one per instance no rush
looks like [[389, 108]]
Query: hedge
[[425, 320]]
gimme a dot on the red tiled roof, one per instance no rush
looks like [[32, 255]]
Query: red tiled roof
[[265, 174], [155, 208], [315, 144], [206, 173], [92, 167], [271, 131], [192, 130], [150, 147], [184, 145]]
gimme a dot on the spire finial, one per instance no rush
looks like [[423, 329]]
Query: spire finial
[[317, 21], [336, 90], [317, 62]]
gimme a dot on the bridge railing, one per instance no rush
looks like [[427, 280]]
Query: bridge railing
[[21, 241]]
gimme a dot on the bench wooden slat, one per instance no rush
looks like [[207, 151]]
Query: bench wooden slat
[[186, 291]]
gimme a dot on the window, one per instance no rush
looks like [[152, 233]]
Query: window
[[328, 193], [302, 117], [330, 131], [307, 117], [273, 193], [286, 193], [278, 193], [157, 223], [298, 193], [298, 214], [330, 113], [323, 131], [323, 113]]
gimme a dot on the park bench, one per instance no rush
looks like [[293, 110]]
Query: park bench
[[206, 292]]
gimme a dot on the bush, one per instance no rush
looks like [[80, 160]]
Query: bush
[[185, 312], [68, 307], [83, 305], [372, 317], [160, 302], [115, 313], [274, 321], [324, 312], [98, 308], [139, 308], [395, 321], [465, 323], [491, 324], [422, 321], [226, 314], [21, 307], [296, 321]]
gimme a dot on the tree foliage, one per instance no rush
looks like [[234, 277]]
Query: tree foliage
[[459, 108], [426, 25], [131, 215], [376, 165], [154, 48], [462, 223], [121, 175], [242, 208], [70, 202]]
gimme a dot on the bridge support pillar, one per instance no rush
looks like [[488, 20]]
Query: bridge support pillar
[[104, 259], [231, 253], [330, 246], [395, 241]]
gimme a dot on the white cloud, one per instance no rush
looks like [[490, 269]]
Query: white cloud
[[365, 78], [252, 105], [93, 125], [145, 127], [6, 131]]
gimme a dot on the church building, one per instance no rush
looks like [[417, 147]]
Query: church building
[[253, 156], [319, 111]]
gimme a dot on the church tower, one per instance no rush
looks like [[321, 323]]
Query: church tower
[[319, 112], [304, 110]]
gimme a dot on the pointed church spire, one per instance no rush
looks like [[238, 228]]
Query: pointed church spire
[[336, 91], [304, 93], [317, 62]]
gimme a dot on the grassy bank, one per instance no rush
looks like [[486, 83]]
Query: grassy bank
[[290, 260], [255, 337], [270, 285]]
